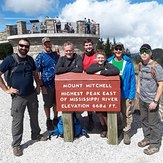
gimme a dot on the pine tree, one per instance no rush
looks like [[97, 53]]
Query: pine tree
[[127, 52], [5, 50], [108, 48], [100, 44]]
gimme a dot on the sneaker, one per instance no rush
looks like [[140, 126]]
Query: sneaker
[[103, 134], [126, 138], [143, 143], [40, 137], [49, 124], [151, 150], [17, 150]]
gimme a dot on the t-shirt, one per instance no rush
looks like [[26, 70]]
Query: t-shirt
[[148, 84], [119, 65], [22, 78]]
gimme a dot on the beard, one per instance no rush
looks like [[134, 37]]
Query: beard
[[23, 52]]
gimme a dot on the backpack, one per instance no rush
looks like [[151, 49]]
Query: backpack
[[8, 74], [152, 69], [78, 130]]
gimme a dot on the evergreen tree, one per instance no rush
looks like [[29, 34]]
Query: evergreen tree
[[127, 52], [100, 44], [108, 48], [5, 50], [114, 42]]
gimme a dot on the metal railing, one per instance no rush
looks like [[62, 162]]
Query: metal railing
[[52, 27]]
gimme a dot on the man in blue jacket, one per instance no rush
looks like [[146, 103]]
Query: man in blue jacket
[[128, 87]]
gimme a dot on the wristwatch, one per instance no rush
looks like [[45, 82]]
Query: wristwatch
[[156, 102]]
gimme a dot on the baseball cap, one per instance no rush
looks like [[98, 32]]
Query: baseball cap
[[45, 39], [119, 44], [145, 46]]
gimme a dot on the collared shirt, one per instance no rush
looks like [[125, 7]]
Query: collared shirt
[[45, 63]]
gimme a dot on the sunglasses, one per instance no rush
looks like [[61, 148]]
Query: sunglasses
[[26, 46], [145, 51], [120, 49]]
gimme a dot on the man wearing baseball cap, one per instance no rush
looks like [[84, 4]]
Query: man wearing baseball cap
[[45, 39], [128, 87], [150, 88], [45, 65]]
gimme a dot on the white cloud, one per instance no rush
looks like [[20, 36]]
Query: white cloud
[[133, 24], [31, 7]]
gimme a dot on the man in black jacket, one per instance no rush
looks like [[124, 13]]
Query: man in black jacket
[[70, 62], [107, 69]]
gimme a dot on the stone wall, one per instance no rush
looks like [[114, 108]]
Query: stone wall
[[3, 36]]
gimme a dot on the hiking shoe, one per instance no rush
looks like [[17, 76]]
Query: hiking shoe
[[151, 150], [143, 143], [103, 134], [49, 124], [55, 122], [17, 150], [40, 137], [126, 138]]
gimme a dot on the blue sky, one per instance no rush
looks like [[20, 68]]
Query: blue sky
[[132, 22]]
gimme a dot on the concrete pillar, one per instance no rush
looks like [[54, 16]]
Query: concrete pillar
[[9, 30], [81, 27], [21, 27], [50, 25], [97, 29]]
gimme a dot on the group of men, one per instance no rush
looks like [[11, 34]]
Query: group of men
[[48, 63]]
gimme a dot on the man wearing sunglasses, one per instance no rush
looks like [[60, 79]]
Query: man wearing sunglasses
[[23, 94], [150, 90], [128, 87]]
